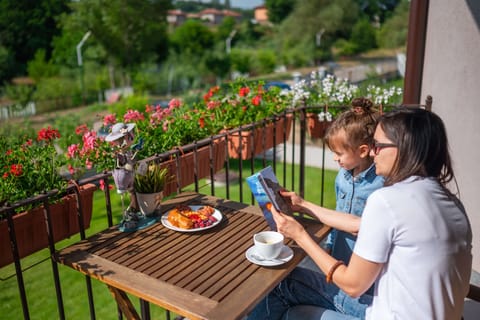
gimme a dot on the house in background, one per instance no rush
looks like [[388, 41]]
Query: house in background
[[176, 17], [235, 15], [260, 14], [210, 16]]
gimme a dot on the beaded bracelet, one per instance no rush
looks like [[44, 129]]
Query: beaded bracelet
[[332, 270]]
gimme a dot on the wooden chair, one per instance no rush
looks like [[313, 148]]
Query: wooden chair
[[474, 293], [472, 304]]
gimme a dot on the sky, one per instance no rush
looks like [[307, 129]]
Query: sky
[[245, 4]]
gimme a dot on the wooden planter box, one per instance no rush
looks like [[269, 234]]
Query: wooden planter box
[[31, 228], [194, 165], [316, 128], [259, 140]]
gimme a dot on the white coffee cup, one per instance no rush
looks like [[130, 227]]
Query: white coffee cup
[[268, 244]]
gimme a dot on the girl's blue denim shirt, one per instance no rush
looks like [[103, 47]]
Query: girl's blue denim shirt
[[351, 193]]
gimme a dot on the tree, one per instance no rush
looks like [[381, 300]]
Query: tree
[[225, 28], [393, 33], [278, 10], [6, 60], [39, 67], [192, 38], [25, 27], [334, 19], [377, 10], [130, 31], [218, 64], [363, 36]]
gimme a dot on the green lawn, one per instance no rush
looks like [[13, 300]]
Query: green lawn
[[38, 277]]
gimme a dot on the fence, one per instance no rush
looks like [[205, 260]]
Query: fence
[[231, 176], [13, 110]]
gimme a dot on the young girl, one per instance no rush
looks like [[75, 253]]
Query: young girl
[[414, 238], [349, 138]]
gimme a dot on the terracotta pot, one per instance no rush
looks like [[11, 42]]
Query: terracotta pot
[[316, 128], [149, 203], [31, 228], [194, 165], [259, 139]]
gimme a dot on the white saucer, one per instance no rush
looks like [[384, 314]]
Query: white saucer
[[285, 256]]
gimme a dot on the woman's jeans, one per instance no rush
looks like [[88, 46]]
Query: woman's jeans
[[306, 287]]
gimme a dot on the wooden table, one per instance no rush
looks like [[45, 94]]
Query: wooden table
[[201, 275]]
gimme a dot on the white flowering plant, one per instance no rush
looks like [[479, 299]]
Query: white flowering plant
[[384, 96], [336, 94]]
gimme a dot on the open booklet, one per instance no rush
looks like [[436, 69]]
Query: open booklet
[[266, 190]]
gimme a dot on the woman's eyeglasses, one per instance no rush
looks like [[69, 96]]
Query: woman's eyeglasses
[[377, 146]]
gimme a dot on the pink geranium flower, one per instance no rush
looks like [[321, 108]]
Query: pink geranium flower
[[133, 116], [109, 119]]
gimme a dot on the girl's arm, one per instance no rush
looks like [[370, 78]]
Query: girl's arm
[[338, 220]]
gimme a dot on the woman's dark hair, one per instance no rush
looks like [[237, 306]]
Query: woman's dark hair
[[359, 124], [422, 143]]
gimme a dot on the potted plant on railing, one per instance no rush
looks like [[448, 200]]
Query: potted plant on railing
[[31, 166], [326, 98], [245, 103], [157, 130], [149, 182]]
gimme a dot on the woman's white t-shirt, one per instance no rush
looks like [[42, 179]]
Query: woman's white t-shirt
[[423, 237]]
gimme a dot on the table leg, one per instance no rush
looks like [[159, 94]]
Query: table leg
[[124, 303]]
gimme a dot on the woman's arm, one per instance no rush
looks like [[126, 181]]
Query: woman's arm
[[338, 220], [354, 279]]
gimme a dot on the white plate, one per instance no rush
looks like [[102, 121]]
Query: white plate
[[167, 223], [285, 255]]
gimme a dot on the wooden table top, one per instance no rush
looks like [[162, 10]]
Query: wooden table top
[[200, 275]]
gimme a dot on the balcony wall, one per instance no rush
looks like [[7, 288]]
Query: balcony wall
[[451, 75]]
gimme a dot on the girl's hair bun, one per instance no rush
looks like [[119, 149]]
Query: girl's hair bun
[[362, 105]]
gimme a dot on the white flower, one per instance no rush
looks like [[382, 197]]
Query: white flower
[[322, 116], [334, 91]]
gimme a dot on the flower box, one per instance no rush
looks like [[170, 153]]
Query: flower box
[[258, 140], [194, 165], [316, 128], [31, 228]]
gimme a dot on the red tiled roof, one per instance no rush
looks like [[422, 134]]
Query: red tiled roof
[[211, 11], [231, 13], [176, 13]]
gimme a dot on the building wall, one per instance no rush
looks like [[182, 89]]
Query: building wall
[[452, 76], [261, 14]]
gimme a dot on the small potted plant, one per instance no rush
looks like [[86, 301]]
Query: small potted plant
[[149, 181]]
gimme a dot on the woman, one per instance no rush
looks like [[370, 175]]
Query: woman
[[414, 237]]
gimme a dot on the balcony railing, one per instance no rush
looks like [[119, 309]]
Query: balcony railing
[[283, 157]]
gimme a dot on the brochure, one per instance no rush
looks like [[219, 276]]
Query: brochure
[[265, 188]]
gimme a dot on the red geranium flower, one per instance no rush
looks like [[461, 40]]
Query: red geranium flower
[[244, 91], [256, 100], [16, 169], [48, 134]]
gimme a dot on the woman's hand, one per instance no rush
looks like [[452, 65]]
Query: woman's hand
[[296, 202], [287, 225]]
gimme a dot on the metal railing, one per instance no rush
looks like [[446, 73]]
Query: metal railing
[[231, 176]]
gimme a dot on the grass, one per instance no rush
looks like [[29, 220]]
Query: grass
[[38, 275]]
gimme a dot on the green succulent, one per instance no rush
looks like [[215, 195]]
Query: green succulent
[[153, 180]]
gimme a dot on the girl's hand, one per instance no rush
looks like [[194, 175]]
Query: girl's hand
[[286, 224]]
